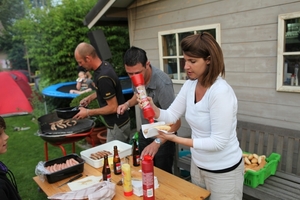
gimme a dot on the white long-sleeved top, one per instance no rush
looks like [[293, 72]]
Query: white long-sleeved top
[[213, 123]]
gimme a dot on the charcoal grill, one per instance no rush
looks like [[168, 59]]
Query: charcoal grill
[[72, 134]]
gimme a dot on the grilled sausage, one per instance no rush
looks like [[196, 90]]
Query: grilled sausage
[[60, 126], [53, 127], [74, 122], [56, 122]]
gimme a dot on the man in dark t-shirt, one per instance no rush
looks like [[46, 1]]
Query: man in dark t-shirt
[[108, 93]]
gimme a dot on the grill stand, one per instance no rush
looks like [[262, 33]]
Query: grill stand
[[75, 138]]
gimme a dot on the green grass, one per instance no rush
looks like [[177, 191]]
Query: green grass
[[25, 150]]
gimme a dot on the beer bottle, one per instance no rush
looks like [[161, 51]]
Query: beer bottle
[[106, 175], [117, 161], [135, 154]]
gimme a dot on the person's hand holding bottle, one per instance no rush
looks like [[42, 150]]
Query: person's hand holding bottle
[[155, 108]]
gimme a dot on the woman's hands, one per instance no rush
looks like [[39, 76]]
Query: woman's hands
[[166, 136], [141, 102]]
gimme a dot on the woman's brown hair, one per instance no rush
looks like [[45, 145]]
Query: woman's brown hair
[[205, 46], [2, 123]]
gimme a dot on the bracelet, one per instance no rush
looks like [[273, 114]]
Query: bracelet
[[87, 113], [128, 106]]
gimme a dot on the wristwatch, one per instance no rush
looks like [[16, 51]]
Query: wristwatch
[[157, 141], [127, 103]]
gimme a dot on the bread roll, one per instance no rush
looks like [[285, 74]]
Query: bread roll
[[163, 127], [160, 128], [136, 175]]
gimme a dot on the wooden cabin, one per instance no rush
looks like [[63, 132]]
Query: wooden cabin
[[260, 41]]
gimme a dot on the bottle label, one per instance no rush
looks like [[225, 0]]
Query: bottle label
[[148, 179], [118, 167], [143, 96], [137, 159], [149, 192], [108, 177], [141, 91]]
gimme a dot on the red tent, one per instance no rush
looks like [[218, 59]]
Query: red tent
[[14, 94]]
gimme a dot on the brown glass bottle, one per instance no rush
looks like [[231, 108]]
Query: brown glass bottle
[[135, 154], [106, 175], [117, 161]]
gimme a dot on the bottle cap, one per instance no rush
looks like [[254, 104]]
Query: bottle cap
[[128, 193], [149, 114], [137, 79], [148, 157]]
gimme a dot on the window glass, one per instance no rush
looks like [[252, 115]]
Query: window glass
[[211, 31], [292, 35], [291, 70], [169, 45], [171, 57], [288, 56], [170, 67], [181, 36]]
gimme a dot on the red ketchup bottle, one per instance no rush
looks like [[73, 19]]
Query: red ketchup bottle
[[148, 178], [139, 83]]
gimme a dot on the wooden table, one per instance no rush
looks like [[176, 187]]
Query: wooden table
[[170, 186]]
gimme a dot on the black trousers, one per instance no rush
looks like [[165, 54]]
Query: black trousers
[[164, 158]]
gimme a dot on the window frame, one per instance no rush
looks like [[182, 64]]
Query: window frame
[[217, 28], [281, 53]]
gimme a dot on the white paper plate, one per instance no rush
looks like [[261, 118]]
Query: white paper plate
[[84, 183], [151, 132]]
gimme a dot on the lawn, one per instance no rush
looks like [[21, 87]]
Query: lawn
[[25, 150]]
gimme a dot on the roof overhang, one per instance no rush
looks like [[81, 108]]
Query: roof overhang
[[108, 12]]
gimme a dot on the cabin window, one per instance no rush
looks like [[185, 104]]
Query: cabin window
[[170, 54], [288, 57]]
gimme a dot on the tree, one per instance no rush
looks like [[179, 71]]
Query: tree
[[50, 34], [10, 10]]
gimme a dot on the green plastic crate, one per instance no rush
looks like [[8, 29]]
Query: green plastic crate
[[253, 179]]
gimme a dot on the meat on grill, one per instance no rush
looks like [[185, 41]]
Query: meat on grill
[[62, 124]]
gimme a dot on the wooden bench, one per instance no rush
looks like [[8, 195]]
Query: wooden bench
[[263, 140]]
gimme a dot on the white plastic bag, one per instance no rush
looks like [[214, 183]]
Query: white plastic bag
[[40, 171], [104, 190]]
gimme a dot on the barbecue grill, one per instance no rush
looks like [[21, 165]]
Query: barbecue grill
[[70, 134]]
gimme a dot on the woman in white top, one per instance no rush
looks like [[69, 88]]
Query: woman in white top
[[210, 108]]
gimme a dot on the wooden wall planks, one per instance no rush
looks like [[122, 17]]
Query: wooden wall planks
[[249, 43]]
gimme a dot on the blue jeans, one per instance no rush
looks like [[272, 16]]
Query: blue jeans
[[164, 158]]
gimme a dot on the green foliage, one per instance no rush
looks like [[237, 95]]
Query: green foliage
[[118, 41], [13, 47], [38, 105], [10, 10], [50, 35]]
